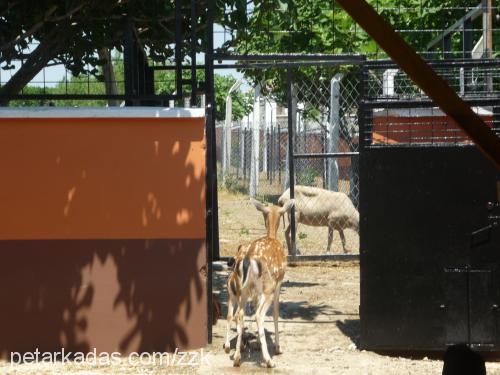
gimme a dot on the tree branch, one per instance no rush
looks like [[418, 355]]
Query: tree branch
[[31, 31], [9, 7], [38, 59], [70, 13]]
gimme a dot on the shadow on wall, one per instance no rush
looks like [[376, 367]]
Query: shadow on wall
[[103, 244]]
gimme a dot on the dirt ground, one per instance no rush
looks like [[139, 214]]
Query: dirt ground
[[240, 221], [319, 331], [319, 317]]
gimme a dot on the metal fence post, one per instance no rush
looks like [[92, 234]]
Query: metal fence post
[[226, 132], [212, 232], [291, 104], [254, 159], [333, 137]]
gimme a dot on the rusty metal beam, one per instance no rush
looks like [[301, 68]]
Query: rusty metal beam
[[423, 75]]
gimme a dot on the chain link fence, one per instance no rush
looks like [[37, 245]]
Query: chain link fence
[[398, 113], [326, 164], [325, 156]]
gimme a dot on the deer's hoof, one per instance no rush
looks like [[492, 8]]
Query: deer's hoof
[[237, 362], [270, 363], [227, 348]]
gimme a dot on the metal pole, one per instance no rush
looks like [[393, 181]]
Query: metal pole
[[226, 131], [178, 47], [333, 137], [279, 151], [254, 159], [291, 171], [264, 116], [129, 64], [212, 232], [487, 27], [271, 155], [243, 133], [488, 38], [238, 165], [193, 53]]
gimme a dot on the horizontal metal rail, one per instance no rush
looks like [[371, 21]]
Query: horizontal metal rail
[[346, 60], [90, 97], [284, 64], [289, 57], [425, 103], [325, 155], [457, 63], [422, 145]]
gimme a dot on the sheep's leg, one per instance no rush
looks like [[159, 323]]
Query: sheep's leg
[[276, 307], [230, 311], [342, 238], [287, 237], [264, 303], [288, 233], [330, 239]]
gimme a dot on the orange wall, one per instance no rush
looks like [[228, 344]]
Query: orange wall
[[102, 234], [107, 178], [421, 129]]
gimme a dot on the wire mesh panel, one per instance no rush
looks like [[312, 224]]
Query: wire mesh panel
[[252, 144], [427, 187], [326, 162], [436, 28], [397, 113], [254, 156]]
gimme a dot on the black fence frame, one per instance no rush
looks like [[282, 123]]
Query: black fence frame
[[139, 79], [289, 62], [384, 269], [368, 103]]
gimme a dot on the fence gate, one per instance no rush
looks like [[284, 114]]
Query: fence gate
[[323, 141], [429, 251], [302, 132]]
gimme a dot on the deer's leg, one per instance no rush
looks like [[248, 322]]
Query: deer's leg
[[264, 303], [330, 239], [276, 315], [254, 304], [230, 311], [240, 316], [342, 238]]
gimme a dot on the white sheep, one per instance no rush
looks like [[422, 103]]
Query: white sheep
[[322, 208]]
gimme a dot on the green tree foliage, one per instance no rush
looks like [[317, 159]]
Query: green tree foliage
[[69, 32], [164, 83], [321, 26]]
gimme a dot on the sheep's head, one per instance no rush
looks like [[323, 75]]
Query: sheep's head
[[272, 215]]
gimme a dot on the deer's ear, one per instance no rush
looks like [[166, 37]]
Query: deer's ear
[[259, 206], [287, 206]]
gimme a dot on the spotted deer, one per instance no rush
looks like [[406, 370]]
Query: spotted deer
[[258, 273]]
